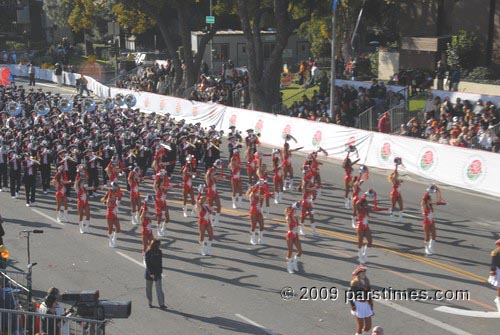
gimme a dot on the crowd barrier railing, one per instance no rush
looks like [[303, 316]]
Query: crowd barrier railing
[[15, 322], [466, 168]]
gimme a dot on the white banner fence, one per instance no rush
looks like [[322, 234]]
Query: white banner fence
[[466, 168]]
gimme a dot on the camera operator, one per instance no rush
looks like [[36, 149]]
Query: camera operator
[[52, 306]]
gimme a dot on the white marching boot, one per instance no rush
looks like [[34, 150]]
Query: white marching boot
[[360, 256], [301, 229], [184, 211], [192, 210], [431, 246], [291, 184], [234, 202], [252, 238], [346, 203], [58, 216], [497, 302], [138, 217], [365, 253], [240, 201], [314, 232], [289, 265], [295, 263], [114, 235], [280, 197], [203, 248], [276, 198], [401, 216], [110, 242], [353, 222], [261, 237], [133, 219], [86, 226], [209, 248], [427, 250], [65, 216], [82, 229]]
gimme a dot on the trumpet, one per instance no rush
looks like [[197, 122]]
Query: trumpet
[[14, 108], [130, 100], [89, 105], [119, 99], [65, 106], [41, 108]]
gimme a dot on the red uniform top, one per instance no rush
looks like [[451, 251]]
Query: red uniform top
[[235, 168], [204, 215], [287, 155], [255, 205], [161, 197], [146, 226], [348, 172], [134, 186], [112, 212], [428, 213], [362, 223], [113, 175], [395, 189], [293, 226], [82, 197], [187, 178], [212, 184]]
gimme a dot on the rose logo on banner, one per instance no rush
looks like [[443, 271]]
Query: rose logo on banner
[[286, 131], [427, 159], [232, 120], [259, 126], [162, 104], [195, 110], [317, 138], [146, 102], [386, 151], [474, 170], [178, 108]]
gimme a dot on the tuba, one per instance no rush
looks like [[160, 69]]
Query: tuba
[[130, 100], [89, 105], [109, 104], [41, 108], [65, 105], [14, 108], [119, 99]]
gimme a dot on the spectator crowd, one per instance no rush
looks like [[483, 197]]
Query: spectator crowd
[[462, 124]]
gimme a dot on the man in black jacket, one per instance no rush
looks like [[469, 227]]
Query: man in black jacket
[[154, 269]]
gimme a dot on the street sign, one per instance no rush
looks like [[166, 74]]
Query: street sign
[[210, 19]]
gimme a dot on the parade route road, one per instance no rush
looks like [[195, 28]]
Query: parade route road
[[240, 289]]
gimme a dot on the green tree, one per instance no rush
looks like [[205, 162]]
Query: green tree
[[175, 19], [463, 50]]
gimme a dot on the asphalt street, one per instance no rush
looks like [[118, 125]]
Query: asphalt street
[[238, 289]]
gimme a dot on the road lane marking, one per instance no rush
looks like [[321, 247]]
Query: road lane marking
[[424, 318], [47, 216], [130, 259], [255, 324], [421, 259], [464, 312]]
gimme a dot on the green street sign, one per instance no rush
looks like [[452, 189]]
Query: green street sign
[[210, 19]]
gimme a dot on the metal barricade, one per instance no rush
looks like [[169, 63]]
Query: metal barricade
[[15, 322], [17, 284], [367, 119], [399, 115], [239, 97]]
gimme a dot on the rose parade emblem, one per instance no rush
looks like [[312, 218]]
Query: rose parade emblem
[[428, 159], [386, 151], [162, 104], [475, 170], [195, 110], [317, 138], [259, 126], [232, 120], [146, 102], [286, 131], [178, 107]]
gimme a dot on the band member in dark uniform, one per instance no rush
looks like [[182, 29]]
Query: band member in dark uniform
[[92, 161], [30, 167], [3, 168], [45, 162], [15, 174]]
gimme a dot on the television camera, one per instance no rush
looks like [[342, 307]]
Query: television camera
[[86, 304]]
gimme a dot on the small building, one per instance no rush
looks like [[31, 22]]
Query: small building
[[231, 44]]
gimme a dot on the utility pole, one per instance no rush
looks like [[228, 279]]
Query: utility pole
[[211, 44], [332, 81]]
